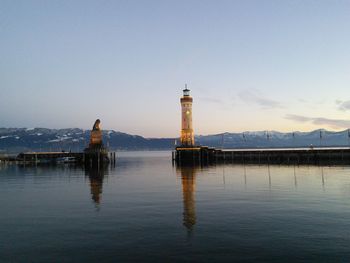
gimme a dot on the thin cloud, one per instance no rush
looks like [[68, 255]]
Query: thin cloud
[[256, 98], [343, 105], [334, 123]]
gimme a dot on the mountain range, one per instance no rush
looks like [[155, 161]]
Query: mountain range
[[74, 139]]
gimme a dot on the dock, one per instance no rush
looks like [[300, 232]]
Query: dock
[[310, 155], [50, 157], [95, 155]]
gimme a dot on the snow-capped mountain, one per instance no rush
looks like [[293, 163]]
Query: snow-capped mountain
[[261, 139], [42, 139], [29, 139]]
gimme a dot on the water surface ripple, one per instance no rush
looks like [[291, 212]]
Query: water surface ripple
[[146, 210]]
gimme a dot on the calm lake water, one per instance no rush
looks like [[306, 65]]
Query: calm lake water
[[146, 210]]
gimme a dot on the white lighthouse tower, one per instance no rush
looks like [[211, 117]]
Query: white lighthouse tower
[[187, 135]]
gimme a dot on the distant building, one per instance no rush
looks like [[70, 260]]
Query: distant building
[[187, 135]]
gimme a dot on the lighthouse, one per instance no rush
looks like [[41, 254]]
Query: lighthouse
[[187, 136]]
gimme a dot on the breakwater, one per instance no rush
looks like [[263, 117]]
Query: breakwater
[[310, 155]]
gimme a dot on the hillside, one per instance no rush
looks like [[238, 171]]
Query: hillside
[[30, 139]]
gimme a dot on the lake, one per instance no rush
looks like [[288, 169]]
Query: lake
[[147, 210]]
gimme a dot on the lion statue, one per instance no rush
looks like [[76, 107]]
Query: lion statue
[[96, 126], [96, 135]]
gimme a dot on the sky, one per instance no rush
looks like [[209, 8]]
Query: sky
[[250, 65]]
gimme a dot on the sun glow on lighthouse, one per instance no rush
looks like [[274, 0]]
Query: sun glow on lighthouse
[[187, 135]]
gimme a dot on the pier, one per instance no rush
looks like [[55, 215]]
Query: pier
[[50, 157], [190, 153], [95, 155], [206, 155], [63, 157]]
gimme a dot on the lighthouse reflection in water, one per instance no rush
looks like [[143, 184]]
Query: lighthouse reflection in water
[[145, 210], [188, 181]]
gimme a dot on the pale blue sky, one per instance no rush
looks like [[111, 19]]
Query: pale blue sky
[[250, 65]]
